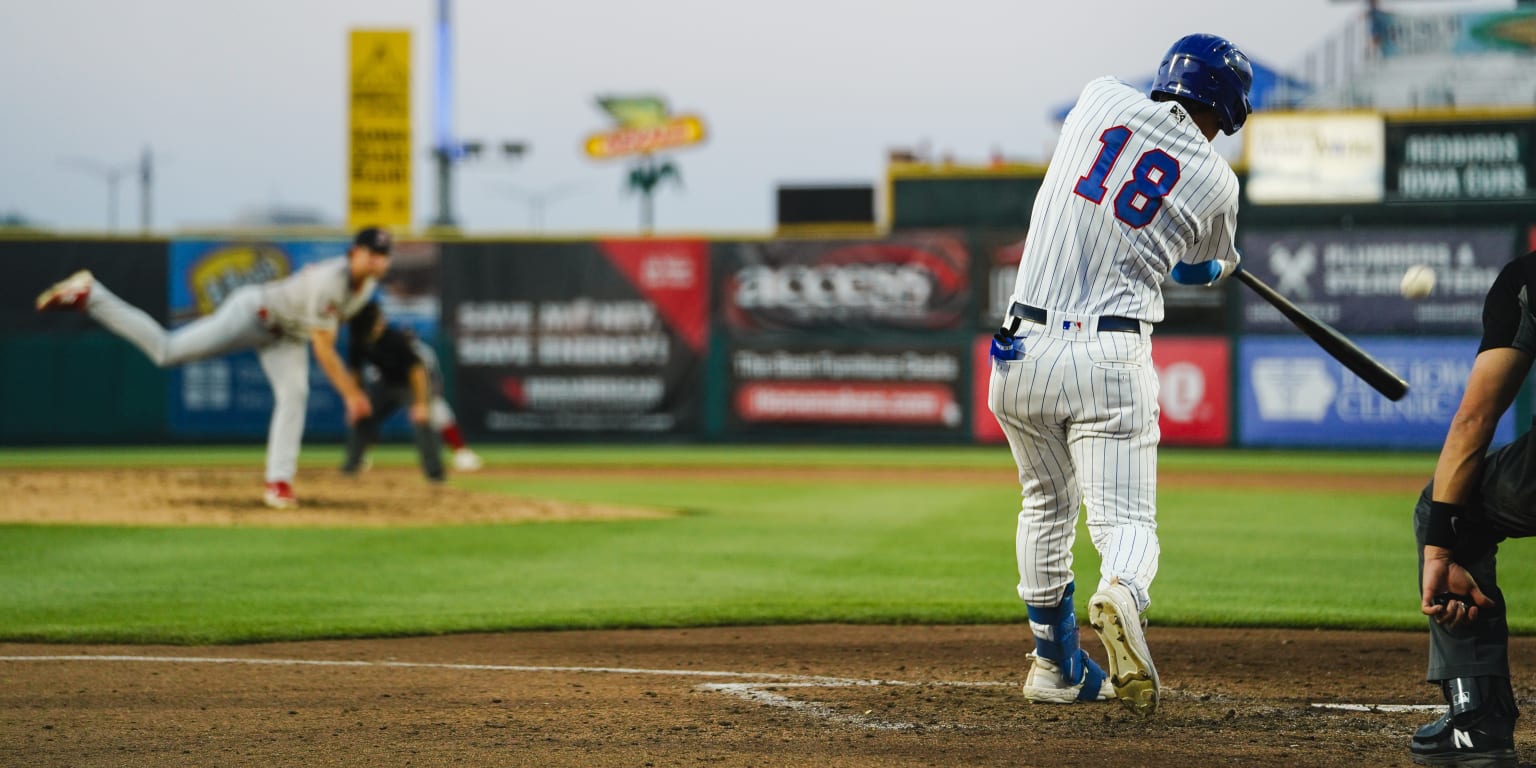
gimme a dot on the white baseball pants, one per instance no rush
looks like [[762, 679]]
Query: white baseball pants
[[1080, 411], [235, 325]]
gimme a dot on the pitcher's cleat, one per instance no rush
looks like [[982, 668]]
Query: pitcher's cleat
[[279, 495], [1113, 613], [69, 293]]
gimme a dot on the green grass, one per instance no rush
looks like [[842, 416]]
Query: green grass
[[743, 552]]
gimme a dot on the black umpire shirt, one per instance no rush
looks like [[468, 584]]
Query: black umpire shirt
[[391, 354]]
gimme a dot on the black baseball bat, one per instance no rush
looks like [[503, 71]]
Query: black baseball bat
[[1369, 369]]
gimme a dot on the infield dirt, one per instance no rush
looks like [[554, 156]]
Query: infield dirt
[[946, 696]]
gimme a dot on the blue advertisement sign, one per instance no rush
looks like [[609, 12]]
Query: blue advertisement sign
[[229, 396], [1351, 279], [1293, 394]]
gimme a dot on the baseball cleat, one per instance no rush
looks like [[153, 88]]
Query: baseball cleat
[[465, 460], [279, 495], [1112, 611], [1046, 685], [69, 293]]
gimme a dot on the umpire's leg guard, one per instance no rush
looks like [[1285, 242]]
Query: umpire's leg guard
[[1477, 729]]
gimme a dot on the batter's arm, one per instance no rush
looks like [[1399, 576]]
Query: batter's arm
[[323, 341]]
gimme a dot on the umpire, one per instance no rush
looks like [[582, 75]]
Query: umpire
[[1473, 503], [402, 380]]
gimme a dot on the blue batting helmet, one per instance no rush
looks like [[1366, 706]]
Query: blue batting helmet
[[1209, 70]]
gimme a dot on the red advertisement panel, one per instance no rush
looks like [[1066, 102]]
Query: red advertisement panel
[[929, 405], [984, 427], [893, 386], [1194, 393]]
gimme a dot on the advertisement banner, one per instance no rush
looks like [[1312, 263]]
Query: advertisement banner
[[1292, 394], [1193, 394], [999, 252], [1351, 279], [1478, 160], [1455, 33], [379, 148], [1314, 158], [578, 337], [875, 385], [915, 281], [229, 396]]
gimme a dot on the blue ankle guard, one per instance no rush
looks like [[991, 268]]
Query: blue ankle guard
[[1093, 677], [1055, 631]]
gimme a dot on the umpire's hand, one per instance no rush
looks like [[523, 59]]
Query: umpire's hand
[[1450, 596]]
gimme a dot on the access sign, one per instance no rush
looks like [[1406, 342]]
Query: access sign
[[679, 131]]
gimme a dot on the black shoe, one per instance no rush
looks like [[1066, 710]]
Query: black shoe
[[1482, 738]]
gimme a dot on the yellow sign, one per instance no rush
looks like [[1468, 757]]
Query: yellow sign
[[379, 130], [674, 132]]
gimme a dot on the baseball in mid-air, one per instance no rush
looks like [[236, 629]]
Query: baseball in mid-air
[[1418, 281]]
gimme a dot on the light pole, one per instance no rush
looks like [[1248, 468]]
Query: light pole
[[539, 199], [443, 150], [112, 174]]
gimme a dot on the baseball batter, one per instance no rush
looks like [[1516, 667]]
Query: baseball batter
[[1135, 193], [278, 319], [1473, 503]]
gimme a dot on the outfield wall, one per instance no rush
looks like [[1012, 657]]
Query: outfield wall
[[879, 339]]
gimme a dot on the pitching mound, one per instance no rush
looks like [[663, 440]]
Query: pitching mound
[[226, 497]]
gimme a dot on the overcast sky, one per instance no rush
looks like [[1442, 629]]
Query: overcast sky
[[244, 104]]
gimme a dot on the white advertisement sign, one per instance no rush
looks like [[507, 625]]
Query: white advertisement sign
[[1315, 158]]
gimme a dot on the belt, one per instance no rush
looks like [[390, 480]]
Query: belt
[[1106, 322]]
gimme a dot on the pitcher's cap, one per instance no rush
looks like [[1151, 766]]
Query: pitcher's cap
[[375, 239]]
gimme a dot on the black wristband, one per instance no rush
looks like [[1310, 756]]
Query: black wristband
[[1442, 529]]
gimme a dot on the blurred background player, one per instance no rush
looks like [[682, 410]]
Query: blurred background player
[[1473, 503], [280, 319], [400, 369], [1134, 194]]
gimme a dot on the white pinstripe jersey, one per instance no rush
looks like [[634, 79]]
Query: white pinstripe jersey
[[1132, 188]]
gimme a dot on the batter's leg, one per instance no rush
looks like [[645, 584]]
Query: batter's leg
[[234, 325], [286, 363], [1113, 440], [1024, 395]]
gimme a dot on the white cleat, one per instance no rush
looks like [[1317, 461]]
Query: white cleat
[[1112, 611], [465, 460], [69, 293], [1045, 685]]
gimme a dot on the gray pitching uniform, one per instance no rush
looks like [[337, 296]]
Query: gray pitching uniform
[[274, 318]]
